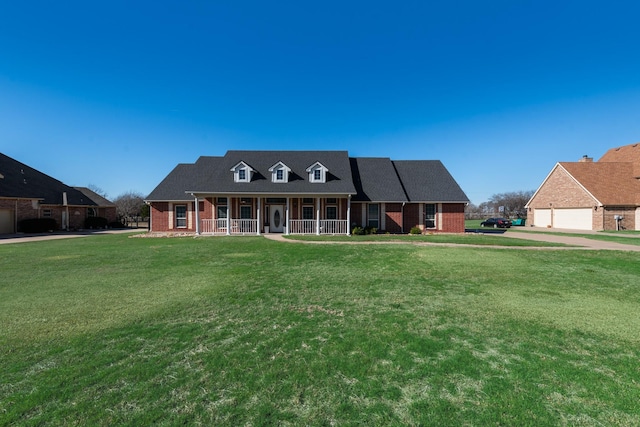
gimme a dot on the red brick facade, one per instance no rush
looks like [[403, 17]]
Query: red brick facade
[[22, 209]]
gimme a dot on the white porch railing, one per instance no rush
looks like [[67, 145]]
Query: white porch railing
[[250, 226], [333, 226], [237, 226], [327, 226], [302, 226]]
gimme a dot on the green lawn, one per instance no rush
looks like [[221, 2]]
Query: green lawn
[[111, 330], [458, 239]]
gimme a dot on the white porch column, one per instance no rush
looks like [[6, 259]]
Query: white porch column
[[228, 216], [286, 224], [318, 216], [383, 216], [197, 216], [421, 216], [349, 215], [258, 222]]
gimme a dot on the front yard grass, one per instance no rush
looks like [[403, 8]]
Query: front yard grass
[[111, 330], [442, 238]]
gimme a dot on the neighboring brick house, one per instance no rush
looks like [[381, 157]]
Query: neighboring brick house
[[306, 192], [26, 193], [588, 195]]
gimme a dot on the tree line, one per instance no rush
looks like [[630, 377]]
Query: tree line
[[508, 205]]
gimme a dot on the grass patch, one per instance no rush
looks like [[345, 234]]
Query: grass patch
[[457, 239], [111, 330]]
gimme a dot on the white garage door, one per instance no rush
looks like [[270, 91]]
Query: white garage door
[[575, 219], [542, 217], [6, 221]]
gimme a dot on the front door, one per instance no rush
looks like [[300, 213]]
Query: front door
[[277, 218]]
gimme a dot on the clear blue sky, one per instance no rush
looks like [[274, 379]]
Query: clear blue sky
[[115, 94]]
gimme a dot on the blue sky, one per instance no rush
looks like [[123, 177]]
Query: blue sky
[[115, 94]]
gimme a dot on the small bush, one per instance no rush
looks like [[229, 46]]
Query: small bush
[[37, 225], [95, 222], [415, 230], [371, 230], [357, 231]]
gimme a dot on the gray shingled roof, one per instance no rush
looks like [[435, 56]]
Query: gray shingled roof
[[23, 182], [367, 179], [174, 185], [97, 199], [428, 181], [376, 180], [215, 176]]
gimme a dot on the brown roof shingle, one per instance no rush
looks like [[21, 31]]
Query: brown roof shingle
[[612, 183]]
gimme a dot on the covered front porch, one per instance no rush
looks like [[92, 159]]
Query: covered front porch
[[233, 215]]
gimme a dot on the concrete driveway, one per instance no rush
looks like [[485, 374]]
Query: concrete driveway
[[545, 235]]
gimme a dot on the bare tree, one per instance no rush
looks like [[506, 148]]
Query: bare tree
[[510, 204], [99, 191], [129, 206]]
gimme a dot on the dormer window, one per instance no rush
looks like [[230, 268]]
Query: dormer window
[[317, 173], [242, 172], [279, 172]]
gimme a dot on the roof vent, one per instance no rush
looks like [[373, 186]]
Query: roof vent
[[586, 159]]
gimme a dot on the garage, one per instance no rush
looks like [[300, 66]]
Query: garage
[[574, 219], [6, 221], [542, 217]]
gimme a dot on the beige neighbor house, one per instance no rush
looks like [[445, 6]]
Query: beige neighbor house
[[588, 195], [26, 193]]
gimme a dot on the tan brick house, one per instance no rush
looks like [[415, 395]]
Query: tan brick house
[[588, 195], [306, 192], [26, 193]]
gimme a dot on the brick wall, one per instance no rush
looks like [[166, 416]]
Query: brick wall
[[159, 212], [393, 217], [452, 218], [411, 216], [628, 221]]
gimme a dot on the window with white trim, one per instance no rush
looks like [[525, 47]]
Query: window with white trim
[[430, 215], [279, 172], [181, 216], [373, 219], [46, 213], [317, 173], [242, 172], [307, 212]]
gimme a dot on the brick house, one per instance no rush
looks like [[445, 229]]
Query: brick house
[[306, 192], [26, 193], [588, 195]]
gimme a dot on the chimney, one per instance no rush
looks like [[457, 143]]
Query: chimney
[[586, 159]]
